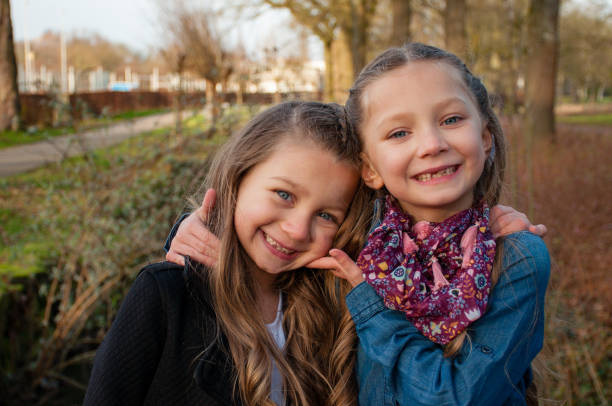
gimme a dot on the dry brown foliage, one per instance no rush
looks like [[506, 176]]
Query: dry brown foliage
[[572, 195]]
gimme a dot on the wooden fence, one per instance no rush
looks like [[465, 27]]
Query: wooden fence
[[49, 110]]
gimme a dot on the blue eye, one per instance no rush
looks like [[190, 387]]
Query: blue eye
[[326, 216], [452, 120], [283, 195], [398, 134]]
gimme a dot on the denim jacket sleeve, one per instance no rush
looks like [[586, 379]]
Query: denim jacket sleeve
[[398, 365]]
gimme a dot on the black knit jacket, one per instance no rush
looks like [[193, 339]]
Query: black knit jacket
[[152, 355]]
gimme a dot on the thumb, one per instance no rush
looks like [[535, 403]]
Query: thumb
[[207, 204], [539, 230], [348, 267], [343, 259]]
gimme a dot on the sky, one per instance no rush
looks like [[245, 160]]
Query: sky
[[133, 22]]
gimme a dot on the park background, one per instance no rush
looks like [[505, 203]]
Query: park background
[[74, 233]]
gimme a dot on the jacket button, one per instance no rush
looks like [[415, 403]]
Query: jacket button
[[486, 350]]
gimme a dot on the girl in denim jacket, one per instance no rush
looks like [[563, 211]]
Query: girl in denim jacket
[[433, 147]]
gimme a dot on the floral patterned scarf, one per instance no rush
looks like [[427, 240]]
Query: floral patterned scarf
[[438, 274]]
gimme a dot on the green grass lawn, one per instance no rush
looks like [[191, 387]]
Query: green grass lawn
[[594, 119], [13, 138]]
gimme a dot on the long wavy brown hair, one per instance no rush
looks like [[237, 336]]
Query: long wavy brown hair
[[489, 185], [317, 363]]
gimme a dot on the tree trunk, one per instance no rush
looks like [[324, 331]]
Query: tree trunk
[[356, 31], [541, 68], [178, 108], [211, 100], [357, 39], [402, 17], [178, 97], [343, 72], [240, 92], [540, 80], [9, 91], [329, 71], [455, 34]]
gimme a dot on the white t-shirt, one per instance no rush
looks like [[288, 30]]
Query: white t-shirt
[[276, 330]]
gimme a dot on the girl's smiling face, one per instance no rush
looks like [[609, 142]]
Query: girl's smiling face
[[290, 206], [423, 139]]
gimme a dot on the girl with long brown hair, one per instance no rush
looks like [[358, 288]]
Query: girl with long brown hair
[[258, 328]]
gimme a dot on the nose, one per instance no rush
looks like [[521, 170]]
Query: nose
[[297, 226], [431, 141]]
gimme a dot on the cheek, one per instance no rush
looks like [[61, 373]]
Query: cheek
[[395, 163], [325, 241], [246, 217], [240, 216], [472, 147], [241, 227], [478, 154]]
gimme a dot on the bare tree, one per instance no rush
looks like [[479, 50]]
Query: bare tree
[[174, 57], [455, 33], [9, 91], [326, 18], [242, 72], [193, 32], [319, 18]]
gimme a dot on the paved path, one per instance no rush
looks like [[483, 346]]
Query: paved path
[[18, 159]]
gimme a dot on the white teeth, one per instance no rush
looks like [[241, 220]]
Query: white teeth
[[277, 245], [429, 176]]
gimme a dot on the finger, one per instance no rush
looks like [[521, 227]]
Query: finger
[[205, 257], [539, 229], [505, 214], [323, 263], [207, 204], [499, 210], [508, 223], [348, 267], [202, 239], [182, 242], [512, 217], [176, 258], [343, 260]]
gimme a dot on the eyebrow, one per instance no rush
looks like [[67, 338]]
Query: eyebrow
[[449, 101], [289, 182], [402, 114]]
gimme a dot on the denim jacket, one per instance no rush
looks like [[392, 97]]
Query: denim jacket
[[396, 365]]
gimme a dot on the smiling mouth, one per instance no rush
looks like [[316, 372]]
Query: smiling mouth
[[277, 246], [425, 177]]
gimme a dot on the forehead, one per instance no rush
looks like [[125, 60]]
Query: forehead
[[308, 170], [412, 82], [303, 160]]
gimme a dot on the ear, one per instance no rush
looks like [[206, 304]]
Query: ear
[[487, 140], [369, 174]]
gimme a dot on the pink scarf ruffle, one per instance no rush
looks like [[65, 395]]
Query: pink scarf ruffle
[[438, 274]]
